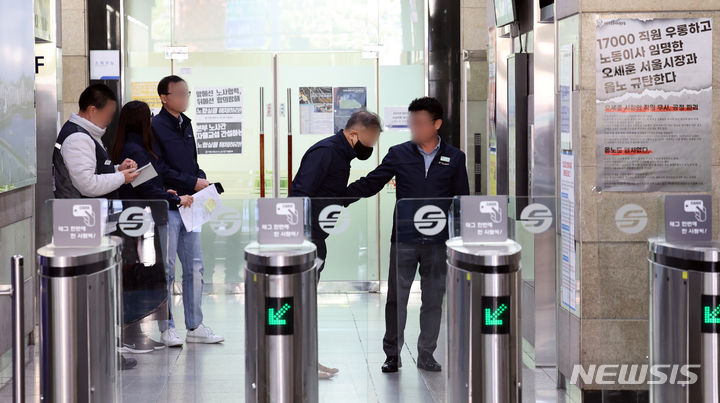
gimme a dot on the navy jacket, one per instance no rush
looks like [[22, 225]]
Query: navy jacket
[[324, 172], [175, 147], [153, 189], [446, 177], [324, 169]]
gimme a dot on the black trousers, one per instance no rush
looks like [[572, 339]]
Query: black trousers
[[405, 260]]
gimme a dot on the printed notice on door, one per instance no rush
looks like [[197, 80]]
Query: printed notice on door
[[569, 285], [218, 120], [316, 110], [654, 104]]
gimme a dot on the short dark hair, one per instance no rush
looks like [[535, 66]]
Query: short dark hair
[[429, 104], [365, 119], [164, 84], [96, 95]]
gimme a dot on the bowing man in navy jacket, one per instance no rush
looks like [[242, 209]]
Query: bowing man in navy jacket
[[323, 175], [428, 168]]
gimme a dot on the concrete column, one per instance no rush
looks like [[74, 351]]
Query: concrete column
[[611, 326], [474, 43], [75, 54]]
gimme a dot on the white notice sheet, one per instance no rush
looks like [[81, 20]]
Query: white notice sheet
[[204, 203]]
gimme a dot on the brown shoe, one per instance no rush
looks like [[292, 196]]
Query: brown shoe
[[328, 370], [324, 375]]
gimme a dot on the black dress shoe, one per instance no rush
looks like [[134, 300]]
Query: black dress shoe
[[428, 364], [392, 364], [127, 363]]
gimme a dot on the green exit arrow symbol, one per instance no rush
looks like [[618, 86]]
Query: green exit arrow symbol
[[491, 318], [712, 317], [275, 318]]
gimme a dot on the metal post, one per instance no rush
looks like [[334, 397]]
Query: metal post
[[262, 142], [276, 136], [16, 292]]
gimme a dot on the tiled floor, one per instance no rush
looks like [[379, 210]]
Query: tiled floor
[[350, 338]]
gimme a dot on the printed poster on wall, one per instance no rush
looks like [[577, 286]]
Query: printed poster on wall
[[316, 110], [347, 100], [654, 104], [568, 286], [396, 117], [218, 120], [565, 78], [146, 91]]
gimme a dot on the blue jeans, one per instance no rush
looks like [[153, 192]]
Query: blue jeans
[[186, 246]]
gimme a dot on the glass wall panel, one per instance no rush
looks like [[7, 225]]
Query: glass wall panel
[[231, 44]]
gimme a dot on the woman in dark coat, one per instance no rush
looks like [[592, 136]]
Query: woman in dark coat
[[145, 290]]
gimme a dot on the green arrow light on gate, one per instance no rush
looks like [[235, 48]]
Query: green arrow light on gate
[[275, 318], [712, 317], [492, 318]]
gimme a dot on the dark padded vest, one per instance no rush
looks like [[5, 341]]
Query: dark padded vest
[[62, 185]]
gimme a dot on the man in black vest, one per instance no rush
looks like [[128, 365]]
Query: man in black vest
[[81, 164], [424, 168]]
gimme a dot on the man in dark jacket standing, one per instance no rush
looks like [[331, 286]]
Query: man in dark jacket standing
[[175, 148], [424, 168]]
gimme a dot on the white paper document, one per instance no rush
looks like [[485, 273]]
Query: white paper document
[[204, 203], [147, 172]]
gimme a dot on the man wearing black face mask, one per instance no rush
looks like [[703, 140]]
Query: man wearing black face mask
[[324, 172]]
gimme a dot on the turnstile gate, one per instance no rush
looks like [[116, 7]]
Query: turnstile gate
[[685, 321], [281, 364], [483, 294], [79, 328]]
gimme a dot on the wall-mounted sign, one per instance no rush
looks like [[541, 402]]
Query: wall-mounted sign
[[104, 64], [281, 221], [654, 104], [346, 101], [396, 117], [483, 218], [688, 217], [316, 110], [218, 120], [146, 91], [565, 76], [176, 53], [43, 20], [569, 284], [79, 223]]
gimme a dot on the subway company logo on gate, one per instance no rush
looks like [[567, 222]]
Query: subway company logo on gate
[[334, 219], [430, 220], [135, 221], [536, 218]]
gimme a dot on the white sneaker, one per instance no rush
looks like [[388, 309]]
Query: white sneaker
[[170, 338], [128, 348], [203, 334]]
